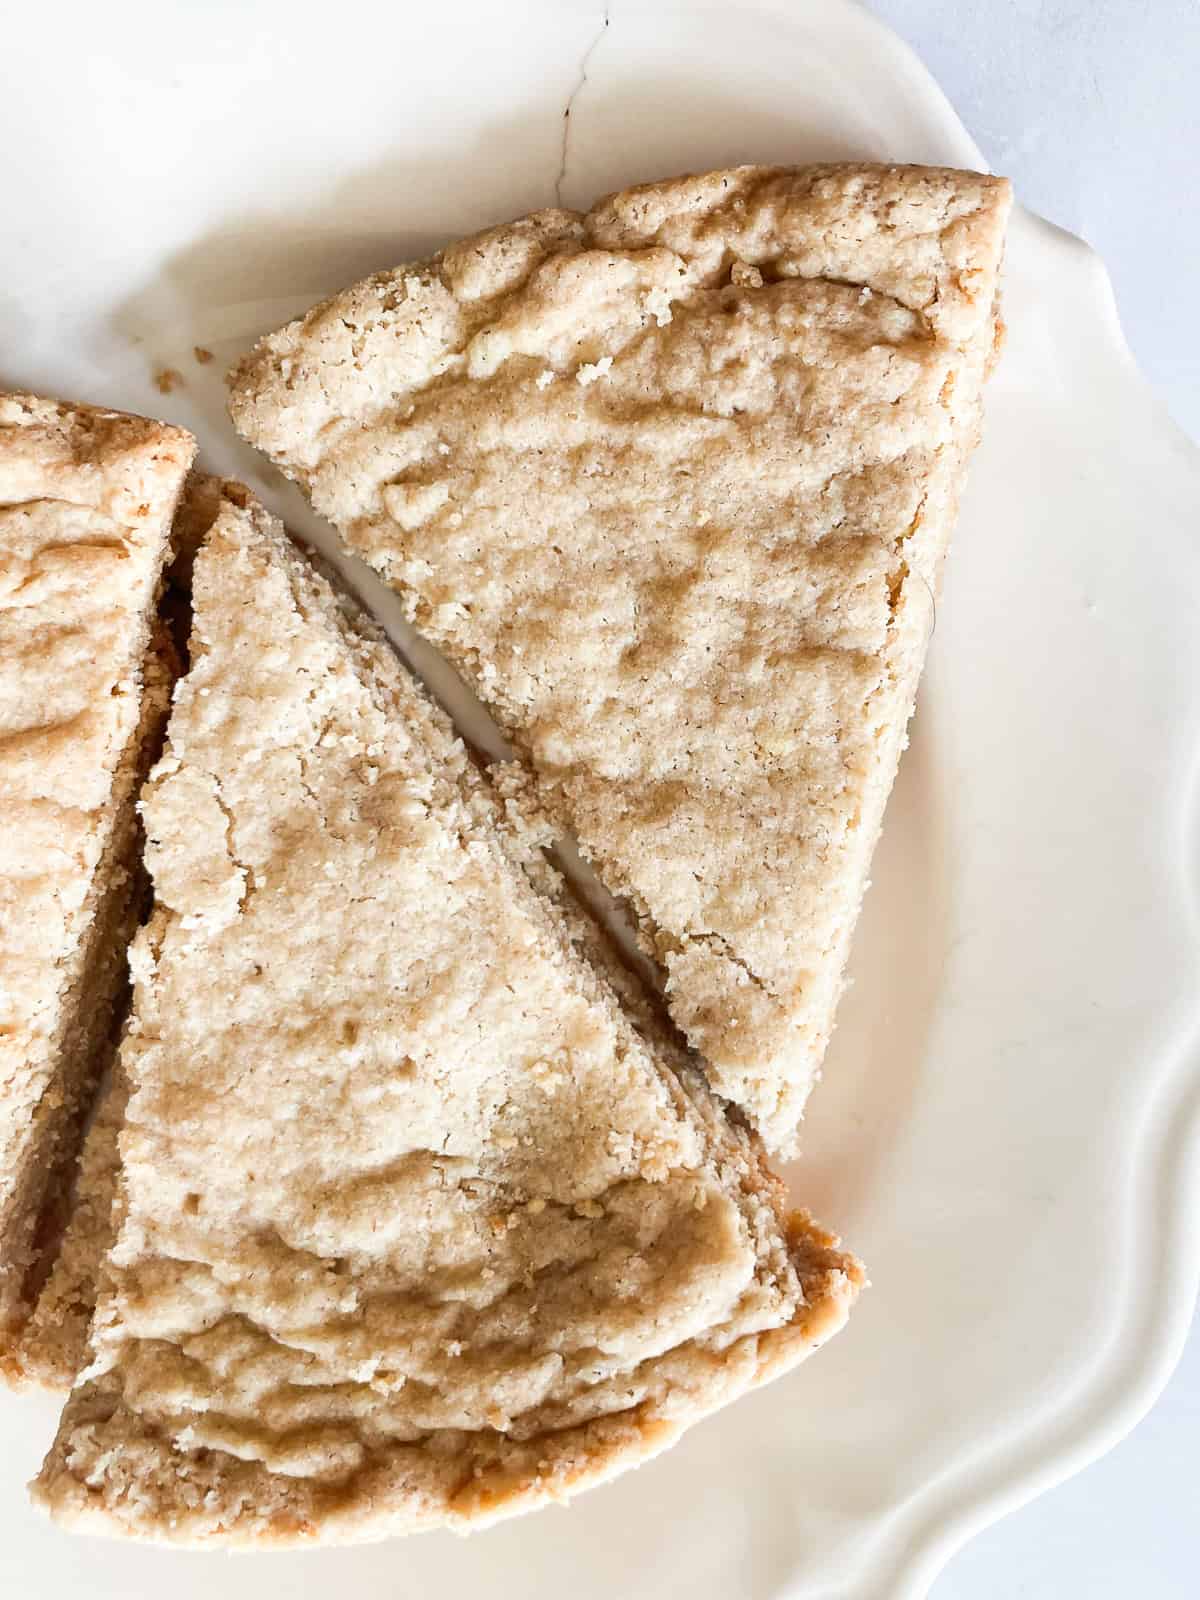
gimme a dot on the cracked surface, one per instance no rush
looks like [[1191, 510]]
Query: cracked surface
[[86, 499], [580, 84], [671, 483], [416, 1225]]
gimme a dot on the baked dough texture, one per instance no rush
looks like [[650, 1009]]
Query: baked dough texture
[[417, 1224], [671, 483], [51, 1348], [86, 500]]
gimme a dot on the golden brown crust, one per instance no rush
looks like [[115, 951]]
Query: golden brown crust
[[51, 1349], [671, 483], [146, 1492]]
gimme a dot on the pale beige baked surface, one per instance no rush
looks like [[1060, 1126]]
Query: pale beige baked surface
[[416, 1227], [51, 1347], [86, 499], [75, 1229], [671, 483]]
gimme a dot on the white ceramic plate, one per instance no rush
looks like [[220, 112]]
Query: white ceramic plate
[[1008, 1127]]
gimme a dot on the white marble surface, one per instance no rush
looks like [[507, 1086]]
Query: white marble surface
[[1091, 107]]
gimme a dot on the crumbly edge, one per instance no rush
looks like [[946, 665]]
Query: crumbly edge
[[72, 1227], [52, 1346], [247, 1506], [93, 978], [245, 1503], [775, 1095], [80, 434], [61, 1247], [777, 1108]]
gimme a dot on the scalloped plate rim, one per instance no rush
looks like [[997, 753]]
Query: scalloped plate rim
[[1147, 1356]]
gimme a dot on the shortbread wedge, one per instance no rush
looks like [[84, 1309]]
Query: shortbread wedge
[[417, 1227], [51, 1348], [671, 483], [75, 1225], [86, 501]]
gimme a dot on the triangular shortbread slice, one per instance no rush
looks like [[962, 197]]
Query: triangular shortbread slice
[[671, 483], [86, 500], [52, 1345], [417, 1227]]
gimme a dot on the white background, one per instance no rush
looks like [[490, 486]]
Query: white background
[[1091, 107]]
